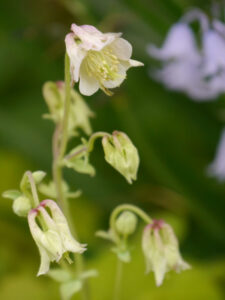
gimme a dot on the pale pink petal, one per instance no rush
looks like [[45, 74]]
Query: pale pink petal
[[76, 55], [91, 38]]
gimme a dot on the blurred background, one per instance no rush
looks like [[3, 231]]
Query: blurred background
[[176, 138]]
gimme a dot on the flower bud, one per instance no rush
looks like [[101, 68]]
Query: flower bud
[[121, 154], [53, 236], [161, 250], [126, 223], [21, 206], [80, 114]]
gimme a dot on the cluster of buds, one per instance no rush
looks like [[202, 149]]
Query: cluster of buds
[[159, 243], [51, 234]]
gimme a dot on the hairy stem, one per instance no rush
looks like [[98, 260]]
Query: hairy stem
[[60, 140]]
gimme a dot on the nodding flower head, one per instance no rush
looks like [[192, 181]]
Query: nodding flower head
[[121, 154], [51, 234], [161, 250], [98, 60]]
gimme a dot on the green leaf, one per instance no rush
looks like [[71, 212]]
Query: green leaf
[[11, 194], [59, 275], [68, 289]]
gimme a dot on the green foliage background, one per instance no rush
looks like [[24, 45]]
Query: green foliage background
[[176, 138]]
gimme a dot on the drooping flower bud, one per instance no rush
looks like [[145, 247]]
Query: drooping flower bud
[[161, 250], [121, 154], [21, 206], [52, 235], [98, 60], [126, 223], [80, 113]]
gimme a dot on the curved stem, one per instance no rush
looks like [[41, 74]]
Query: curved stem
[[33, 189], [145, 217], [93, 138], [118, 282]]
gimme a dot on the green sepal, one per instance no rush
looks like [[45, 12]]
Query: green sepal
[[78, 159]]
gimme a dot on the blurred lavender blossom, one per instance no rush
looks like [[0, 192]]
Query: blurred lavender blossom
[[197, 71]]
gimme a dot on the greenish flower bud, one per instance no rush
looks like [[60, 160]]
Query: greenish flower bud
[[121, 154], [126, 223], [21, 206], [38, 176], [80, 114], [161, 250]]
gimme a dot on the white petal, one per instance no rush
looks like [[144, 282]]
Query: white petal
[[214, 51], [180, 43], [121, 48], [45, 262], [76, 55], [88, 85]]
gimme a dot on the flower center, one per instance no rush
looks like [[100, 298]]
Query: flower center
[[102, 64]]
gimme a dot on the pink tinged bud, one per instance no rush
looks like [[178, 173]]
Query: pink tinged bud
[[52, 234], [161, 250]]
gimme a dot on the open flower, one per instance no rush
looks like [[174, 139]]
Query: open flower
[[161, 250], [51, 234], [98, 60]]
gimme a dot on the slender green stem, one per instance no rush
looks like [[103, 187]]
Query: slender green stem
[[33, 189], [145, 217], [118, 281], [60, 140], [95, 136]]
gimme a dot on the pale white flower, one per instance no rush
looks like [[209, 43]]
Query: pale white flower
[[98, 60], [213, 52], [161, 250], [217, 167], [183, 75], [51, 234], [179, 44]]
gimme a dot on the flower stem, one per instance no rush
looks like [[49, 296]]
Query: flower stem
[[145, 217], [60, 140], [118, 281], [33, 189]]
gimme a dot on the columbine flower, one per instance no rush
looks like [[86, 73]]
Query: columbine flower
[[161, 251], [217, 167], [121, 154], [98, 60], [200, 73], [179, 44], [52, 234]]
